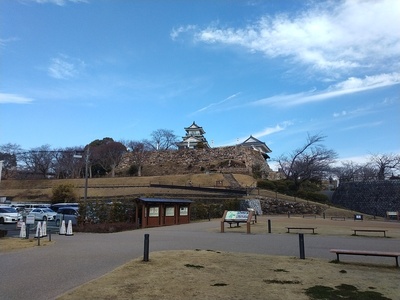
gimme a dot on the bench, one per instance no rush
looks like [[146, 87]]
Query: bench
[[301, 228], [230, 222], [367, 253], [310, 216], [338, 218], [370, 230]]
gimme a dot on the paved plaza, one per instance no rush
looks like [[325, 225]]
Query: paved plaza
[[46, 272]]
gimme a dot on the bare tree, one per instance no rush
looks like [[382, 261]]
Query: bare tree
[[38, 161], [309, 162], [347, 172], [107, 154], [385, 164], [366, 172], [66, 164], [9, 155], [162, 139], [139, 152]]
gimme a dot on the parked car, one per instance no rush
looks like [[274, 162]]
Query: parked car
[[43, 214], [56, 206], [66, 214], [9, 214]]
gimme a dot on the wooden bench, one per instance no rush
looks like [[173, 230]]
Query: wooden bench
[[367, 253], [338, 218], [230, 222], [310, 216], [370, 230], [301, 228]]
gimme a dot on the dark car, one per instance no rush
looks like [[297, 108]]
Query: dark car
[[66, 214]]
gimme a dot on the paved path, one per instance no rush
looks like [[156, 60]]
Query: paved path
[[49, 271]]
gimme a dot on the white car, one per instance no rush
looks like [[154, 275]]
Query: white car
[[43, 214], [9, 214]]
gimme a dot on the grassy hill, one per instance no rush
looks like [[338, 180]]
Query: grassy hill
[[41, 190]]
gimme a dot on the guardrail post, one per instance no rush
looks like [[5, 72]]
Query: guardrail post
[[146, 247], [301, 244]]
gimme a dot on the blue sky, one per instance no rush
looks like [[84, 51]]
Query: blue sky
[[75, 71]]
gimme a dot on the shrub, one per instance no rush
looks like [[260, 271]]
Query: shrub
[[63, 193], [266, 184], [133, 170], [312, 196]]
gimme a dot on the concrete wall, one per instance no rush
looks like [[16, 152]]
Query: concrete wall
[[234, 159], [372, 197]]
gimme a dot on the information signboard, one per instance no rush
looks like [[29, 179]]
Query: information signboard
[[30, 220], [237, 215]]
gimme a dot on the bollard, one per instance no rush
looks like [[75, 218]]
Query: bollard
[[49, 235], [269, 226], [28, 227], [38, 239], [288, 214], [146, 247], [301, 244], [323, 215]]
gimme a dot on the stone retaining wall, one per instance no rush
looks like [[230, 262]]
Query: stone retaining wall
[[233, 159], [372, 197]]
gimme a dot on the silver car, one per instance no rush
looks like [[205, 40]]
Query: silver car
[[66, 214], [43, 214]]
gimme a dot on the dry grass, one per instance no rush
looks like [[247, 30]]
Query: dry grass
[[324, 227], [41, 190], [8, 244], [209, 274]]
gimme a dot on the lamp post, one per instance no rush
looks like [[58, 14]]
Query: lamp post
[[86, 174], [86, 171]]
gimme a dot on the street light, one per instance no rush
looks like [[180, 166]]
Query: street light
[[86, 171]]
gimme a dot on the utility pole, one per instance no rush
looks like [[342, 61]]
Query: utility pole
[[86, 173], [1, 168]]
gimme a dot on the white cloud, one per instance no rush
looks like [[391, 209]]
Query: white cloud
[[331, 36], [3, 42], [270, 130], [14, 98], [64, 67], [266, 131], [59, 2], [349, 86], [208, 107], [176, 32], [364, 125]]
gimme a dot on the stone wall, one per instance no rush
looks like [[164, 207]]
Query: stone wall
[[233, 159], [373, 197], [272, 206]]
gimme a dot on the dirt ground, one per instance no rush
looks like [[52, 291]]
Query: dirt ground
[[209, 274]]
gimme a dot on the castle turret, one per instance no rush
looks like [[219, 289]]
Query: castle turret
[[194, 138]]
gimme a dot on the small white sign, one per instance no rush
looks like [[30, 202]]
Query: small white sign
[[30, 220], [392, 213]]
